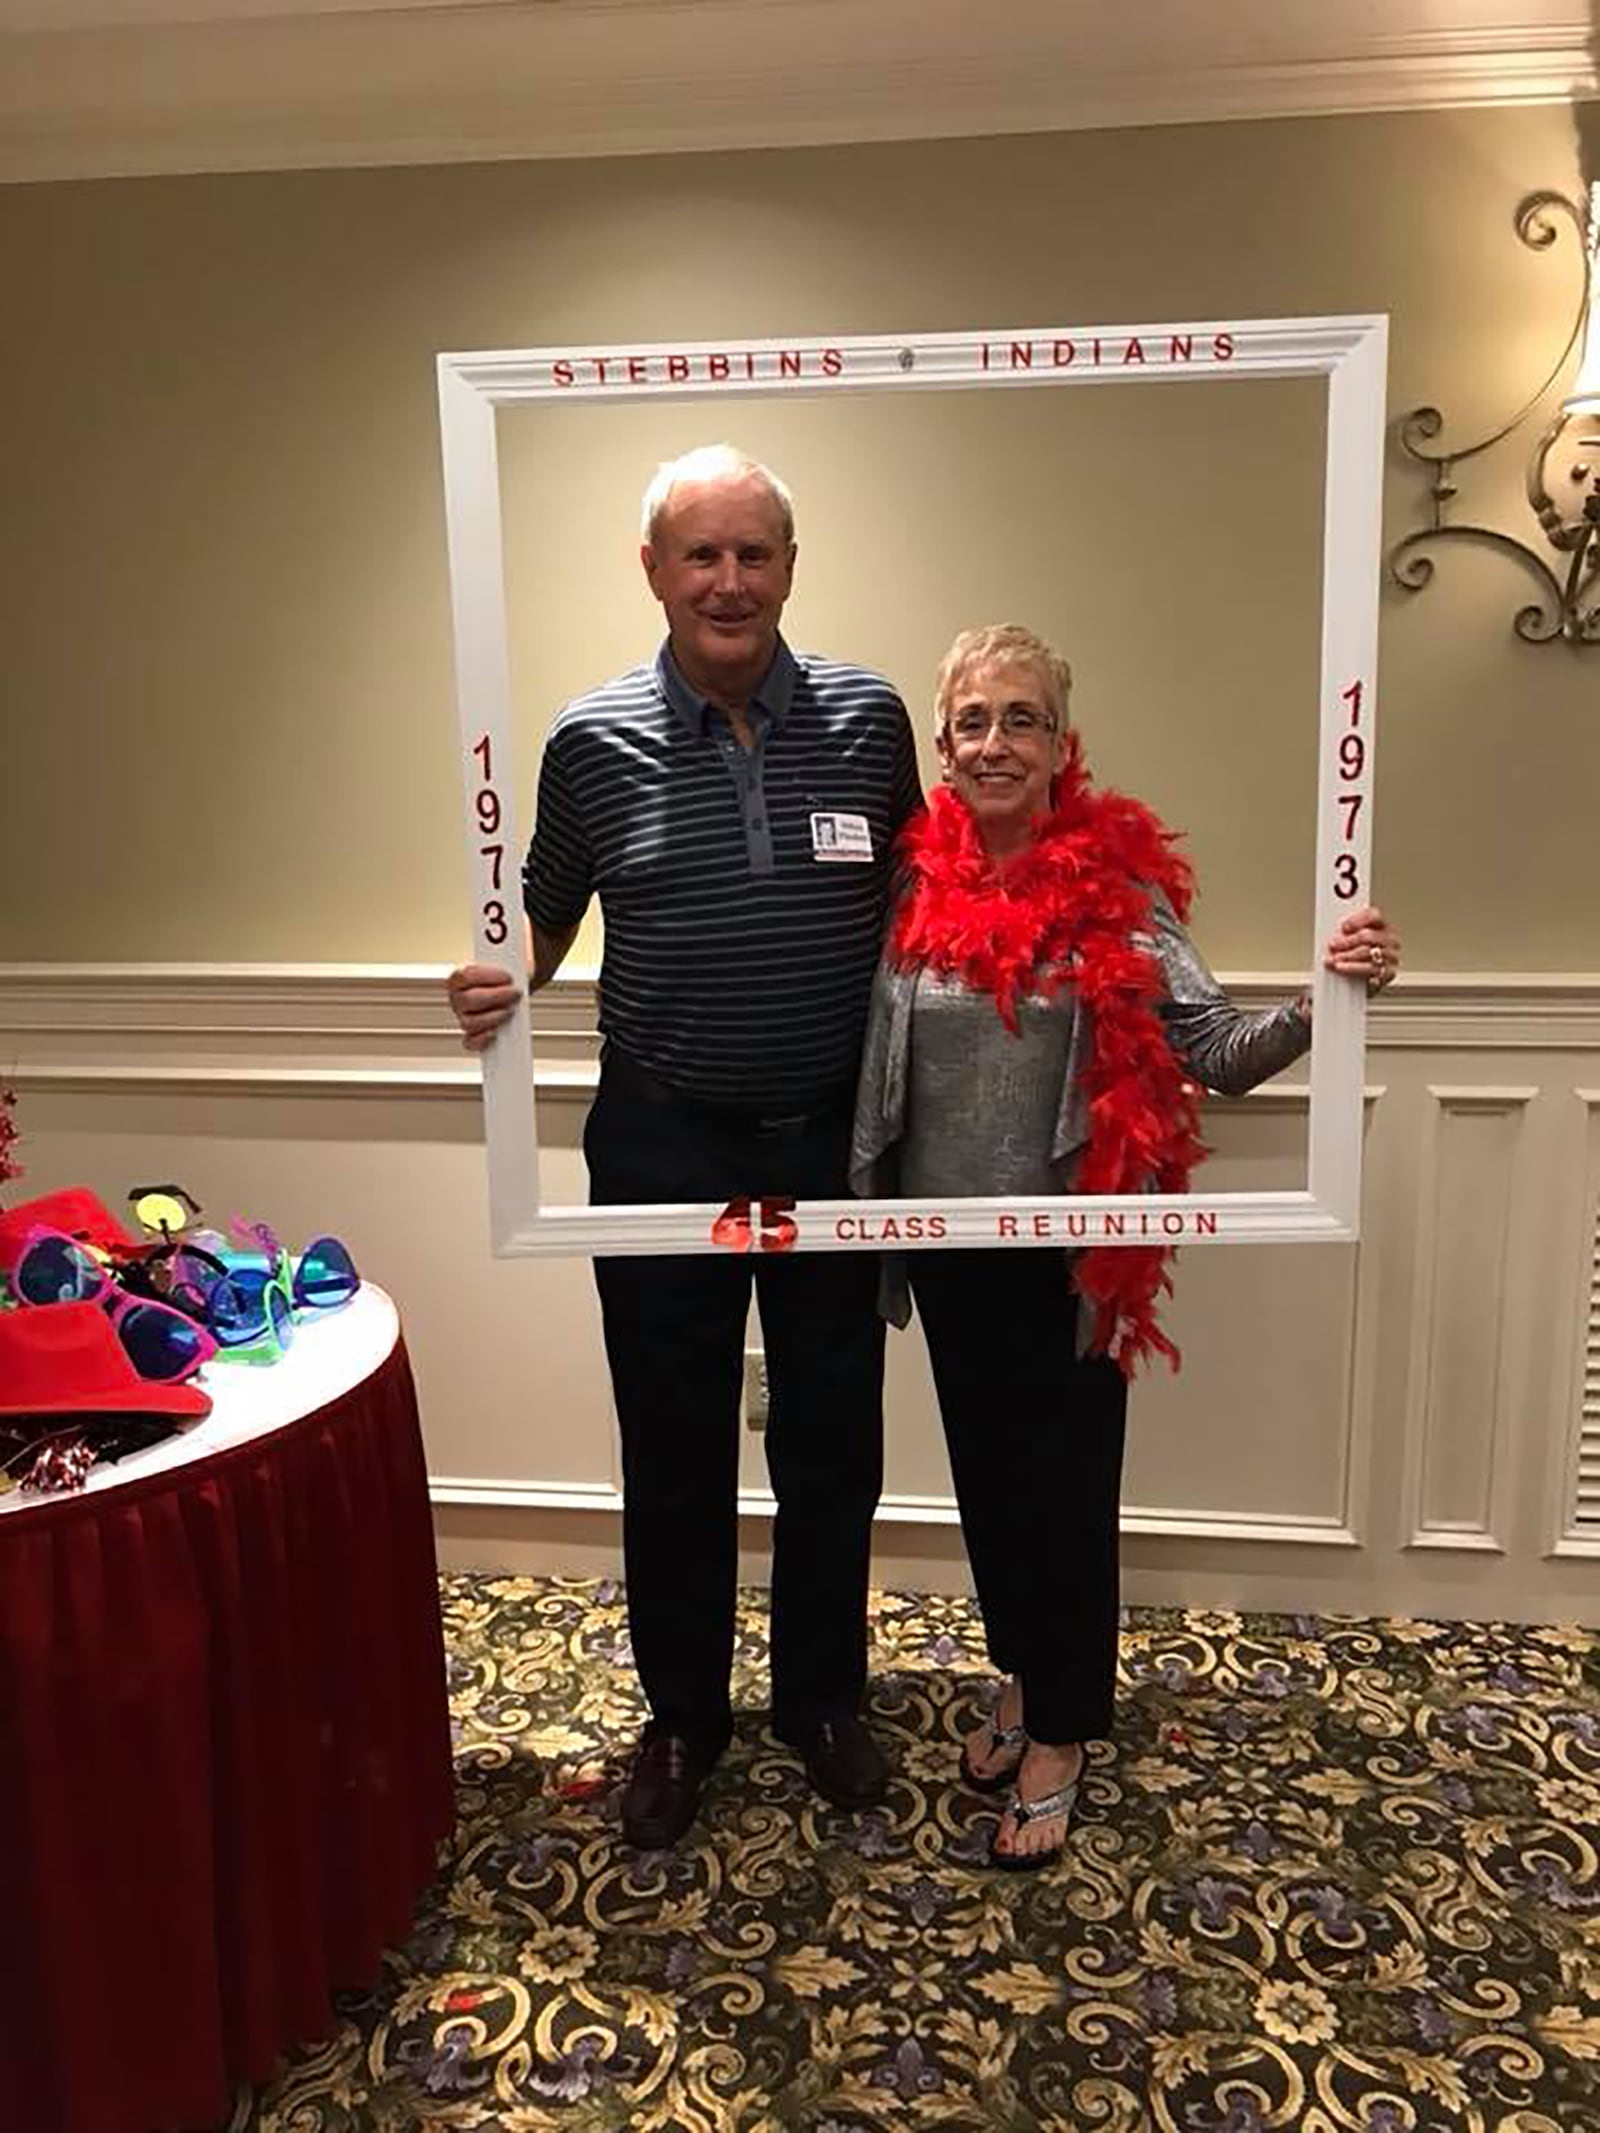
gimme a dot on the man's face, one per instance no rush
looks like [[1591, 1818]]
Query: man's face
[[722, 570]]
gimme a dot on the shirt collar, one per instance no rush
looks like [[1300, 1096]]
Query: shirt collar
[[772, 696]]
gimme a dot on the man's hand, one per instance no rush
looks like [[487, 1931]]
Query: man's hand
[[481, 999]]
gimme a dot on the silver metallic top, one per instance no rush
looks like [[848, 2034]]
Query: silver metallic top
[[951, 1104]]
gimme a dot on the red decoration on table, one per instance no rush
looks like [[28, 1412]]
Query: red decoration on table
[[60, 1468]]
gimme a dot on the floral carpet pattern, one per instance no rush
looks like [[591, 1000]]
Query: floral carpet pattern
[[1332, 1874]]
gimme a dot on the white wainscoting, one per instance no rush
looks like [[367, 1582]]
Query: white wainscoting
[[1411, 1424]]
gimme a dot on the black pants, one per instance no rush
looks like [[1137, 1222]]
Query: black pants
[[1035, 1438], [674, 1332]]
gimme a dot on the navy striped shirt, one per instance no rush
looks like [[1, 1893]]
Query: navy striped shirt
[[737, 963]]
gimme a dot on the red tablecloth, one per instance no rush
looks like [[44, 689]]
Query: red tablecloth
[[224, 1761]]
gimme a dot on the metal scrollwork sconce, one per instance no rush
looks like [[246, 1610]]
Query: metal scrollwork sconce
[[1564, 470]]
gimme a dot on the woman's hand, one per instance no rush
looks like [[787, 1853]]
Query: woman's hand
[[1366, 946]]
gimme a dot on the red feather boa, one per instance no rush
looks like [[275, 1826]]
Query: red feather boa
[[1065, 914]]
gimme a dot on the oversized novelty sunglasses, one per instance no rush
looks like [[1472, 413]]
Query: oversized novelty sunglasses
[[251, 1310], [161, 1343]]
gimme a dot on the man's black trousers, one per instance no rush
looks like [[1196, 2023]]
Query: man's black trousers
[[675, 1338]]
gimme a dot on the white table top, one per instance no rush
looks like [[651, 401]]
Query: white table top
[[331, 1353]]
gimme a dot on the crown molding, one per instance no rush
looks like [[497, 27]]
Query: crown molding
[[117, 88]]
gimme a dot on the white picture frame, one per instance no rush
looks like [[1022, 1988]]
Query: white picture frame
[[1351, 353]]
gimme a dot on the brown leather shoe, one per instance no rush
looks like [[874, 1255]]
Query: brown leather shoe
[[662, 1795], [842, 1760]]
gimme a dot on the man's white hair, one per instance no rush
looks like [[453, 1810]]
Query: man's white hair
[[710, 462]]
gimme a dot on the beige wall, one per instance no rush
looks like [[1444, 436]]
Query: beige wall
[[223, 606]]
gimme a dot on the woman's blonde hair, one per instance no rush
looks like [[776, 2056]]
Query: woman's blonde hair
[[1001, 644]]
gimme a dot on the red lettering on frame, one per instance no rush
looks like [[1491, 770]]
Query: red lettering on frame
[[788, 363], [846, 1228], [749, 364], [832, 362], [1022, 355], [718, 367], [1134, 352], [561, 372], [1113, 1226], [1172, 1222], [1005, 1225], [1222, 348], [638, 371], [937, 1226], [731, 1229], [1041, 1225], [1077, 1225], [1062, 361], [985, 363], [1205, 1225], [599, 367], [1180, 349], [779, 1230], [677, 370]]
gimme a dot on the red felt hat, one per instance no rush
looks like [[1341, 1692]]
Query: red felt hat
[[75, 1211], [66, 1359]]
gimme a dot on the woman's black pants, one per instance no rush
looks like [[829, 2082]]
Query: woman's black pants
[[1035, 1435]]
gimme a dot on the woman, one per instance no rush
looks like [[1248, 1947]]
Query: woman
[[1039, 1021]]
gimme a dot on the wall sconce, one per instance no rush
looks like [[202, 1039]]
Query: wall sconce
[[1563, 473]]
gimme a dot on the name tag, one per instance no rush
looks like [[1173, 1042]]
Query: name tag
[[841, 837]]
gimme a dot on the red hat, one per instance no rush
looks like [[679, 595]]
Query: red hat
[[75, 1211], [66, 1359]]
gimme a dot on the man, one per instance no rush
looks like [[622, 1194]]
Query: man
[[734, 808]]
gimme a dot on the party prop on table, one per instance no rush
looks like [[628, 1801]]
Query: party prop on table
[[76, 1212], [165, 1210], [54, 1269], [60, 1467], [68, 1360], [252, 1310]]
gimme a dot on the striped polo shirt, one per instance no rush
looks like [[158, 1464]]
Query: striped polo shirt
[[743, 891]]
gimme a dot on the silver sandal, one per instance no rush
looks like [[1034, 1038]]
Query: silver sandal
[[1060, 1802], [1011, 1741]]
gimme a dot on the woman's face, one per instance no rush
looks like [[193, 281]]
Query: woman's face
[[1002, 743]]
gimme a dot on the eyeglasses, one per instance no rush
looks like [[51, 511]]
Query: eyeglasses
[[161, 1343], [251, 1307], [1017, 722], [251, 1311]]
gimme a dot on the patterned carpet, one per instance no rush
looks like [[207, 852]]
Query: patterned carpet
[[1333, 1876]]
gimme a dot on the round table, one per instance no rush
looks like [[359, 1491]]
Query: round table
[[224, 1738]]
